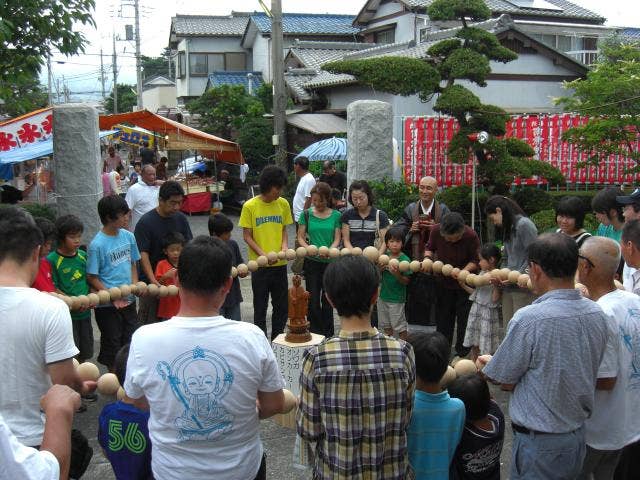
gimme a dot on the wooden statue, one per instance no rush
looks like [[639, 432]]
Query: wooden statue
[[298, 325]]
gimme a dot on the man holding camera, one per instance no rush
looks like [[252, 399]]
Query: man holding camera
[[418, 218]]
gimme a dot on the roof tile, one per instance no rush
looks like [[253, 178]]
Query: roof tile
[[209, 25], [217, 79], [309, 24]]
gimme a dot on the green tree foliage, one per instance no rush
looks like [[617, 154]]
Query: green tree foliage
[[609, 96], [25, 97], [127, 99], [465, 57], [30, 29], [152, 66], [228, 111]]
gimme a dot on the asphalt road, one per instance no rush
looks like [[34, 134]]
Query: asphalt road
[[278, 441]]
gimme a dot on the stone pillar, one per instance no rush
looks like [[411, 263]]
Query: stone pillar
[[369, 140], [77, 164]]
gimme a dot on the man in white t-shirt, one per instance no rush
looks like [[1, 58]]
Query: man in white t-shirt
[[630, 211], [36, 343], [52, 461], [302, 198], [615, 421], [142, 196], [207, 380]]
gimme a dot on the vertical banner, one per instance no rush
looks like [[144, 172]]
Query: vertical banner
[[429, 150], [543, 155], [420, 149], [409, 149]]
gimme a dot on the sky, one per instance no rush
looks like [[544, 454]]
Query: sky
[[81, 73]]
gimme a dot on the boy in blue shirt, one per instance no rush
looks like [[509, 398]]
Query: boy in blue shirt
[[123, 432], [438, 420], [111, 262]]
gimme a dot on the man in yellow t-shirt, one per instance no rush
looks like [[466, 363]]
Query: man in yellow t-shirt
[[264, 221]]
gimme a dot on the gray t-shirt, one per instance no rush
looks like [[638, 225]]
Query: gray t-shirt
[[523, 233], [552, 352]]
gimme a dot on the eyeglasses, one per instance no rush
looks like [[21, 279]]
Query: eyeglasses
[[589, 262]]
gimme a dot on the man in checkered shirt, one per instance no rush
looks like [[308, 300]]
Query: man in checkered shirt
[[356, 389]]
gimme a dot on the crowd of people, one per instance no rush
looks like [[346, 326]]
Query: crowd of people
[[372, 403]]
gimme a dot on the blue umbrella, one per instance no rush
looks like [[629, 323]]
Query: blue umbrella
[[327, 149]]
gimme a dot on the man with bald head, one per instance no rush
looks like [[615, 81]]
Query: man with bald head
[[417, 219], [615, 420], [142, 196]]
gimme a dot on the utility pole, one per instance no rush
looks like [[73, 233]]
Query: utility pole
[[115, 77], [58, 89], [138, 58], [279, 95], [102, 79], [169, 63], [49, 80]]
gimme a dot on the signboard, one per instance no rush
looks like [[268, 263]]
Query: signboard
[[26, 130]]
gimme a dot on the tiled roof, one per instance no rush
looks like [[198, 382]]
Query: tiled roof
[[314, 54], [295, 80], [308, 24], [234, 78], [630, 33], [569, 10], [209, 25], [325, 79]]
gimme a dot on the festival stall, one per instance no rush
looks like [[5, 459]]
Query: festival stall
[[182, 137]]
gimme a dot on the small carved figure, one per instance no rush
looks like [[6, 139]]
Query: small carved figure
[[298, 325]]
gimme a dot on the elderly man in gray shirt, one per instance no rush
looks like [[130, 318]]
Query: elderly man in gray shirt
[[551, 355]]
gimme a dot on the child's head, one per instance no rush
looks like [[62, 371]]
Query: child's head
[[394, 239], [48, 229], [432, 355], [474, 392], [220, 226], [489, 256], [172, 246], [113, 211], [69, 229], [120, 363], [137, 166], [351, 284], [272, 180]]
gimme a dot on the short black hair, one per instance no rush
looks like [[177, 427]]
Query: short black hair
[[19, 235], [204, 265], [219, 224], [119, 168], [396, 232], [572, 207], [173, 238], [272, 176], [68, 225], [110, 207], [120, 363], [556, 254], [490, 250], [169, 189], [451, 224], [432, 352], [351, 282], [605, 200], [631, 232], [47, 227], [474, 393], [364, 186], [302, 162]]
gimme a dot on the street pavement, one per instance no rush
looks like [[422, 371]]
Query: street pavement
[[278, 441]]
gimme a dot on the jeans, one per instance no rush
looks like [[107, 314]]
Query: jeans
[[452, 309], [265, 281], [320, 310], [231, 312], [116, 327], [549, 456]]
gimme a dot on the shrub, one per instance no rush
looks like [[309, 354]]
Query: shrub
[[36, 210], [458, 199], [533, 200], [392, 197]]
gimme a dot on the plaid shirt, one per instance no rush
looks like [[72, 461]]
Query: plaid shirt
[[356, 397]]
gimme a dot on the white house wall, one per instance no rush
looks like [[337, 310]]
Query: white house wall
[[262, 57], [154, 98]]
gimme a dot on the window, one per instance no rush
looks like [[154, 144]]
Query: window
[[216, 62], [564, 43], [385, 36], [181, 66], [197, 64], [236, 61]]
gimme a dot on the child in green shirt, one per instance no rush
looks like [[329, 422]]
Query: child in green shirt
[[393, 289], [69, 272]]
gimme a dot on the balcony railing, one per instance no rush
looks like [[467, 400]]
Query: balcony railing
[[588, 57]]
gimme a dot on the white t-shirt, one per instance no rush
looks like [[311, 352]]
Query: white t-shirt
[[627, 279], [201, 376], [303, 191], [615, 421], [20, 462], [141, 198], [35, 330]]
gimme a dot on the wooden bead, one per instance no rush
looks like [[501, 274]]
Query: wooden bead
[[334, 252], [104, 297], [371, 253], [462, 276], [471, 279], [465, 367], [115, 293], [242, 269], [513, 276], [345, 251], [134, 288], [437, 267], [323, 251], [301, 252], [523, 279], [504, 274], [94, 299], [120, 394], [483, 280], [455, 272], [108, 384], [76, 304], [125, 290], [173, 290], [142, 288], [234, 272], [282, 255], [448, 377], [415, 266], [427, 265], [394, 263], [383, 260], [495, 273], [404, 266], [76, 363], [163, 291], [272, 257], [252, 265], [447, 269], [290, 254], [88, 371], [152, 289], [262, 261], [67, 300], [84, 301], [312, 250], [356, 251]]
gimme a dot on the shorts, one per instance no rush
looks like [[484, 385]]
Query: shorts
[[391, 316]]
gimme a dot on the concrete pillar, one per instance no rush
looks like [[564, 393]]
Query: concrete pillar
[[369, 140], [78, 164]]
